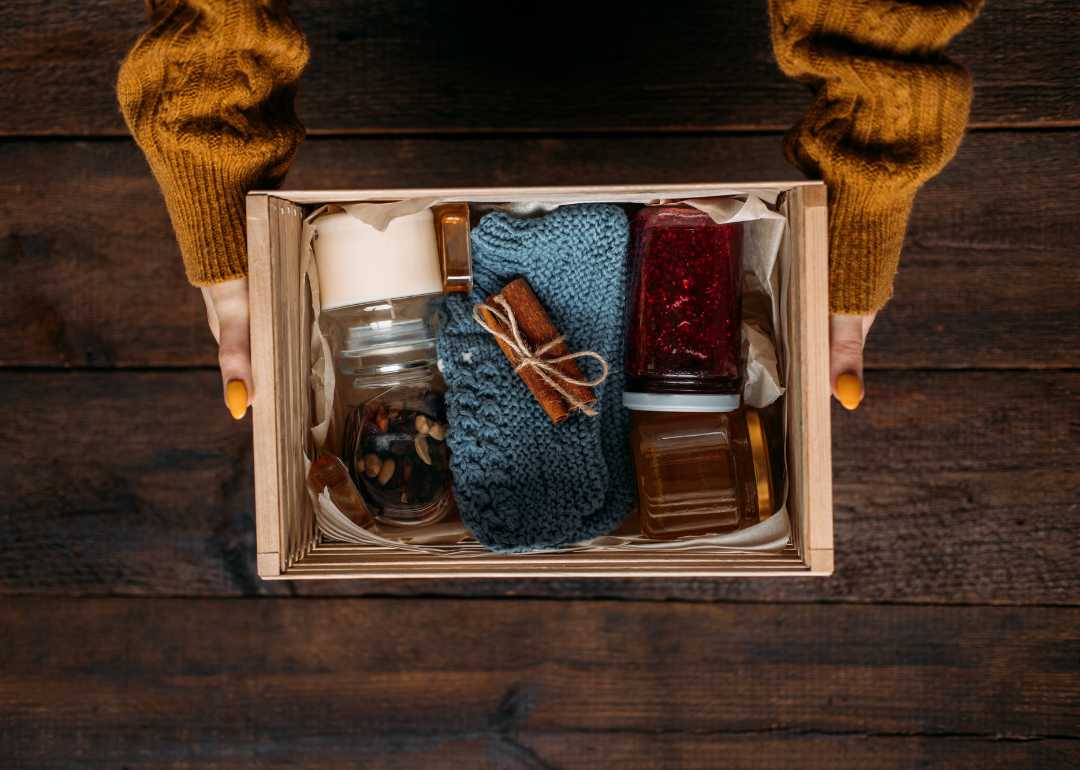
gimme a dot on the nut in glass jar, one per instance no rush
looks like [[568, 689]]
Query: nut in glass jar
[[395, 447]]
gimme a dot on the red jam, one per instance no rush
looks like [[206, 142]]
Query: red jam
[[685, 301]]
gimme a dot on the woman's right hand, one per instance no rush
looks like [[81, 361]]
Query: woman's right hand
[[847, 336], [229, 316]]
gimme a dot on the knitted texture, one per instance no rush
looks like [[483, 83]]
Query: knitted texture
[[523, 483], [208, 95], [889, 111]]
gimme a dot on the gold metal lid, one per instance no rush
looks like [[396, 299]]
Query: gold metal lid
[[759, 450]]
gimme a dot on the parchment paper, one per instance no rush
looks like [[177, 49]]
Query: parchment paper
[[762, 232], [380, 215], [323, 369]]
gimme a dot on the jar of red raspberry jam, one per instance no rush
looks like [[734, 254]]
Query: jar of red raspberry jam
[[685, 301]]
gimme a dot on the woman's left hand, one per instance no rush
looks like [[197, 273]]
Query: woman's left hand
[[847, 336], [229, 317]]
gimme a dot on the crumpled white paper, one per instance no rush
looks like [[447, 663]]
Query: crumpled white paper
[[323, 368], [762, 232], [769, 536], [380, 215]]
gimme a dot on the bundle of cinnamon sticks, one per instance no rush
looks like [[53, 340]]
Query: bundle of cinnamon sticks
[[535, 326]]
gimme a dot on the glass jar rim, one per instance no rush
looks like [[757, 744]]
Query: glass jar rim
[[681, 402]]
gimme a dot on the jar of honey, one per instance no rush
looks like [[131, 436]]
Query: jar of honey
[[701, 464], [685, 301]]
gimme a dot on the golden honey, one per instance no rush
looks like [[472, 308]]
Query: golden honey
[[699, 473]]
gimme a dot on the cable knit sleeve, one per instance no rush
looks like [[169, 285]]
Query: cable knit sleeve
[[208, 95], [889, 111]]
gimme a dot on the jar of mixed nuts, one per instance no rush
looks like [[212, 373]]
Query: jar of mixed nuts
[[394, 441]]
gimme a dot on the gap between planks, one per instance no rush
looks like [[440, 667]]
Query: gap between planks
[[481, 131]]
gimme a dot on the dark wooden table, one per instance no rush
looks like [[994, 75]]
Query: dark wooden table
[[134, 631]]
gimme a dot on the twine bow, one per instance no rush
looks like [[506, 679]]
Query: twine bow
[[528, 358]]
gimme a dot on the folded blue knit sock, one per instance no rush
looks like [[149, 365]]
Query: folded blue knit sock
[[523, 483]]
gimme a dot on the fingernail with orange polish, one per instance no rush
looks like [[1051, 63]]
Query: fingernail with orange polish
[[849, 390], [236, 398]]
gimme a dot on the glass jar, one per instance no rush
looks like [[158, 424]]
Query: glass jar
[[394, 442], [684, 303], [701, 464]]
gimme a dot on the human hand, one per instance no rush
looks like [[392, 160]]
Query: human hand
[[229, 316], [847, 335]]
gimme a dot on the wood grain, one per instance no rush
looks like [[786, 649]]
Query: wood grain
[[93, 274], [419, 65], [793, 751], [118, 484], [805, 356], [520, 684], [948, 487], [573, 750]]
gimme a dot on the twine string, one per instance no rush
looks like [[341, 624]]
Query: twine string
[[529, 359]]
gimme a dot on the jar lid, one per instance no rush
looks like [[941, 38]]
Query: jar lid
[[759, 451], [681, 402], [358, 263]]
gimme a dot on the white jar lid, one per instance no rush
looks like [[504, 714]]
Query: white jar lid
[[681, 402], [359, 264]]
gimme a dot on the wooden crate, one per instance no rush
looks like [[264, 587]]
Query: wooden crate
[[289, 545]]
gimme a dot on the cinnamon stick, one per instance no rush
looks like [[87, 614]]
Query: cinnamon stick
[[536, 326], [549, 398]]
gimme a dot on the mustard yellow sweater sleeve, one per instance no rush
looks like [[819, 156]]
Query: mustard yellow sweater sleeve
[[889, 111], [208, 96]]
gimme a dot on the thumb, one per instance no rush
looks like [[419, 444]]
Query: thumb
[[230, 305], [847, 334]]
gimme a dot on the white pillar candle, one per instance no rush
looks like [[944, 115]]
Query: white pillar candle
[[358, 263]]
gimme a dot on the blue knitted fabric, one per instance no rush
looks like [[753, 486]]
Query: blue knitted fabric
[[523, 483]]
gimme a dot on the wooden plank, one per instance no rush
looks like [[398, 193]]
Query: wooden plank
[[805, 359], [425, 66], [181, 683], [338, 561], [136, 484], [570, 750], [969, 240], [264, 427], [772, 751], [948, 487], [93, 273]]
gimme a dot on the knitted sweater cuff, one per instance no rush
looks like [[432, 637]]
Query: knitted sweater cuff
[[206, 204], [866, 233]]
